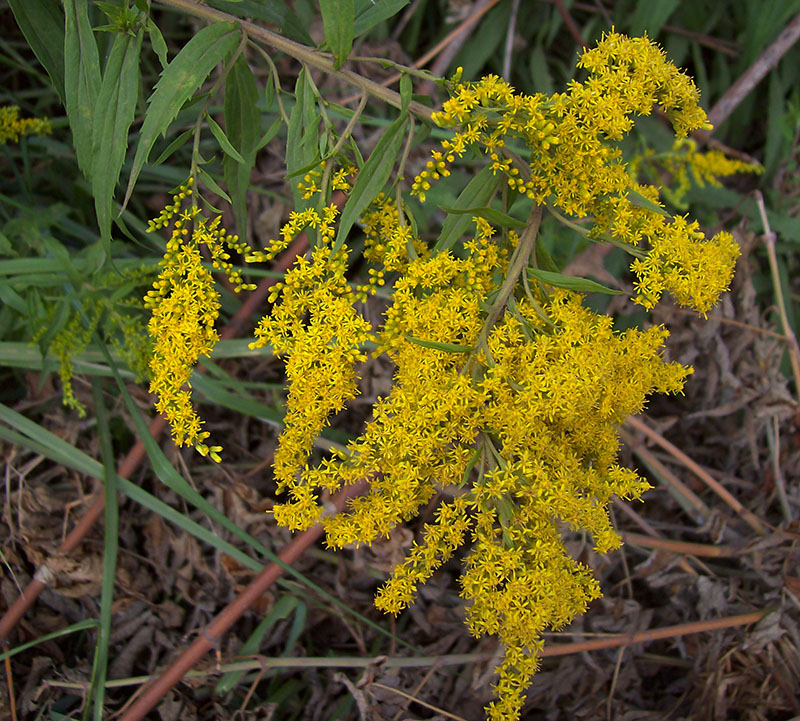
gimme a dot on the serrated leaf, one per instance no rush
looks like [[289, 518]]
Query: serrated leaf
[[42, 24], [81, 79], [223, 141], [376, 13], [179, 81], [337, 19], [158, 43], [570, 282], [372, 177], [243, 128], [477, 194], [437, 345], [495, 217], [113, 115], [641, 201]]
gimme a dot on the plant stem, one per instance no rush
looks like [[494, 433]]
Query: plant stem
[[791, 339], [519, 260], [303, 53]]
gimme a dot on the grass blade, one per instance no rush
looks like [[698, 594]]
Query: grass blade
[[100, 667]]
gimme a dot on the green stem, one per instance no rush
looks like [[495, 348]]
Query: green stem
[[519, 261]]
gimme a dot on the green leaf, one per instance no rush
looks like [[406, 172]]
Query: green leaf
[[270, 12], [157, 43], [337, 19], [179, 81], [212, 185], [223, 141], [173, 146], [285, 605], [376, 13], [42, 24], [570, 282], [243, 128], [495, 217], [81, 79], [302, 135], [113, 115], [437, 345], [641, 201], [84, 625], [110, 550], [406, 92], [478, 192], [372, 177]]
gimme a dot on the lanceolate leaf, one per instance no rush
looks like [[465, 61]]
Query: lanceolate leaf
[[81, 79], [372, 177], [376, 13], [495, 217], [477, 193], [644, 202], [438, 345], [243, 129], [570, 282], [337, 18], [181, 79], [42, 24], [302, 136], [113, 115], [223, 141]]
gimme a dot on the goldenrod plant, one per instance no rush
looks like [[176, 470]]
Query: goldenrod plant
[[507, 390]]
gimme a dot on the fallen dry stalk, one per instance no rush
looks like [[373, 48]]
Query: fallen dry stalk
[[212, 634], [748, 516], [44, 576], [656, 634]]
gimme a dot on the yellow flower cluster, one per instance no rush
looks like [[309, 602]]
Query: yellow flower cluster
[[507, 392], [314, 325], [538, 405], [339, 181], [545, 415], [103, 310], [185, 305], [573, 166], [684, 163], [12, 126]]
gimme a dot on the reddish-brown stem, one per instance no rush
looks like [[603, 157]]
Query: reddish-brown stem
[[135, 456], [212, 634], [627, 639]]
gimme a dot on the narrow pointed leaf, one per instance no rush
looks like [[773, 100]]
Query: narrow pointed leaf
[[181, 79], [570, 282], [337, 19], [223, 141], [81, 79], [243, 129], [438, 345], [477, 194], [42, 24], [375, 13], [372, 177], [643, 202], [113, 115], [495, 217]]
